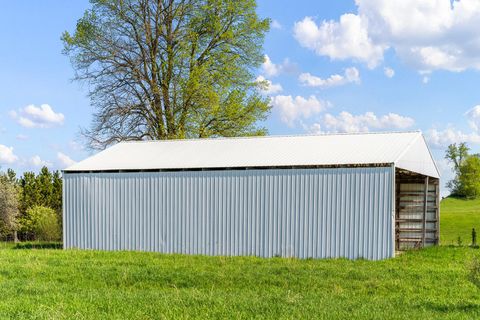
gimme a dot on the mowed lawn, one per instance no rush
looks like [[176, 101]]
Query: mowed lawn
[[424, 284], [457, 218]]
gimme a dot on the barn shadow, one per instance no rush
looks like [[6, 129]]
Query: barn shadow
[[447, 308], [38, 245]]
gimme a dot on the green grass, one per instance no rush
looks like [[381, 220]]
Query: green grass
[[56, 284], [457, 218], [39, 283]]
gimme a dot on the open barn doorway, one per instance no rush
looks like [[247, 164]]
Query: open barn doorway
[[417, 211]]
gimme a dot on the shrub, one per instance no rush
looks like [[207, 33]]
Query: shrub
[[459, 241], [41, 223]]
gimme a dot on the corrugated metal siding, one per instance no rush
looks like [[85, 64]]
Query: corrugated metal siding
[[334, 212]]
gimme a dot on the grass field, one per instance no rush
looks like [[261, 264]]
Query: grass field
[[457, 218], [56, 284], [425, 284]]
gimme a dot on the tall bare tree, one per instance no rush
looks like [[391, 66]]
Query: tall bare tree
[[167, 69]]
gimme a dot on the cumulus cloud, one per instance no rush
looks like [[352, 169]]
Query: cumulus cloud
[[37, 162], [6, 155], [271, 69], [345, 39], [442, 138], [428, 35], [294, 108], [347, 122], [37, 117], [267, 87], [351, 75], [389, 72], [64, 160]]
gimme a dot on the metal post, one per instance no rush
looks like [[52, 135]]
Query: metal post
[[425, 198]]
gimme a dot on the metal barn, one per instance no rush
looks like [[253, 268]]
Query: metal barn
[[340, 195]]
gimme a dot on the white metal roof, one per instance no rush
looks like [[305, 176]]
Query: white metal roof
[[407, 150]]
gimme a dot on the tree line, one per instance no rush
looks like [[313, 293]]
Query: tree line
[[31, 205], [466, 167]]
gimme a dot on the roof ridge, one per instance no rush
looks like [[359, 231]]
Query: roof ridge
[[275, 136]]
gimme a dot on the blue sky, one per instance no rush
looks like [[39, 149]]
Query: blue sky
[[334, 66]]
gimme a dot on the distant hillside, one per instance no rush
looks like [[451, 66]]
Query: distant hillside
[[457, 218]]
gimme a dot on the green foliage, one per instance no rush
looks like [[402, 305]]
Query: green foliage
[[44, 189], [41, 223], [469, 177], [456, 154], [466, 167], [31, 190], [8, 206], [170, 69]]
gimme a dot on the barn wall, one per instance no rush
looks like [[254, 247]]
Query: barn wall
[[334, 212]]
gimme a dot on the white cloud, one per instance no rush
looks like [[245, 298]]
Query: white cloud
[[425, 79], [428, 35], [352, 75], [389, 72], [347, 122], [271, 69], [276, 25], [64, 160], [442, 138], [341, 40], [38, 117], [267, 87], [37, 162], [291, 109], [6, 155], [473, 116]]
